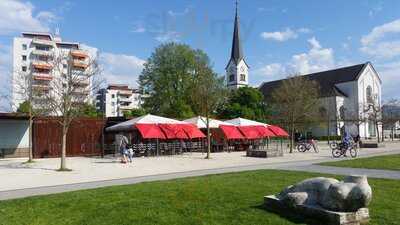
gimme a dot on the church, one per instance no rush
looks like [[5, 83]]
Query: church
[[346, 94]]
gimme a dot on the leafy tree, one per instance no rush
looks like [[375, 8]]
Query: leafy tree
[[167, 79], [295, 104], [246, 102], [90, 110], [208, 91], [24, 107], [135, 113]]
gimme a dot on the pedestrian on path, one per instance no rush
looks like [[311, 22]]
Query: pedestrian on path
[[123, 148]]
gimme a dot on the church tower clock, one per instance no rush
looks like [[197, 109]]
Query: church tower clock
[[237, 70]]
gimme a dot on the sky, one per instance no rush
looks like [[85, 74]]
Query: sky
[[280, 37]]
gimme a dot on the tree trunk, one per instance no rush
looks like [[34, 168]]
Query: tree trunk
[[30, 155], [63, 165], [377, 131], [208, 138], [291, 138]]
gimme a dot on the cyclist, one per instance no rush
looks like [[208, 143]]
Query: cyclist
[[346, 142]]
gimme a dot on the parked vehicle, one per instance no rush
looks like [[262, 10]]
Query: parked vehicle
[[303, 146]]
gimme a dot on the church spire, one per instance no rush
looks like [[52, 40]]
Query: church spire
[[237, 50]]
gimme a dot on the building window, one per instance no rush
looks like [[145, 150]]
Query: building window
[[24, 47], [24, 58], [369, 94], [231, 78], [242, 77], [113, 96], [342, 112], [24, 68], [65, 65]]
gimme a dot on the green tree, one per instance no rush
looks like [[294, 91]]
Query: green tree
[[208, 91], [295, 104], [89, 110], [135, 112], [24, 107], [167, 79], [246, 102]]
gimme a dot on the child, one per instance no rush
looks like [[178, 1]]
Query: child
[[130, 154]]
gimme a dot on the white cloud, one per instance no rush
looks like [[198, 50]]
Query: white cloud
[[18, 16], [381, 41], [138, 27], [285, 34], [389, 73], [279, 35], [168, 36], [121, 68], [175, 14], [316, 59]]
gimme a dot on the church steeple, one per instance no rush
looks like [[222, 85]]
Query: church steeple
[[237, 69], [237, 50]]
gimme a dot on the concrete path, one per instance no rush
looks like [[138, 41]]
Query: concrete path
[[372, 173], [21, 180]]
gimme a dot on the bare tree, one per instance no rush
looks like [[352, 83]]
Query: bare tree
[[75, 79], [372, 112], [24, 97], [296, 104], [208, 91]]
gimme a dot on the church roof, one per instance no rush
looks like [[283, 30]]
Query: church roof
[[327, 80], [237, 49]]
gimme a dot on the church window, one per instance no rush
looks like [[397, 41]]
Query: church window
[[242, 77], [231, 78], [342, 112], [369, 94]]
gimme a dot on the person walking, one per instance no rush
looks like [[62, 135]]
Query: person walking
[[123, 148]]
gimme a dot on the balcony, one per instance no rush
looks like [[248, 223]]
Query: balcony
[[42, 52], [42, 76], [82, 82], [125, 107], [80, 64], [40, 87], [79, 54], [80, 92], [38, 41], [125, 92], [41, 65]]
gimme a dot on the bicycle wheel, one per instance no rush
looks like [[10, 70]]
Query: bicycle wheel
[[353, 152], [333, 145], [301, 148], [336, 153]]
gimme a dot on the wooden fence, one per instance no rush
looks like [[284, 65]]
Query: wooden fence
[[84, 137]]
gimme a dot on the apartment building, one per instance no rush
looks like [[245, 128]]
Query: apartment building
[[116, 99], [34, 63]]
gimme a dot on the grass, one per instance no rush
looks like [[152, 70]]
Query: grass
[[232, 199], [387, 162]]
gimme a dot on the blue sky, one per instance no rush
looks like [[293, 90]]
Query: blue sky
[[280, 37]]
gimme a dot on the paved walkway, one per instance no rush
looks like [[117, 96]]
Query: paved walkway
[[21, 180]]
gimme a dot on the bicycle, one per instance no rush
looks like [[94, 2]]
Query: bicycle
[[342, 148], [307, 145]]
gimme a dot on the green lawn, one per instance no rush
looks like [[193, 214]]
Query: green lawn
[[234, 198], [387, 162]]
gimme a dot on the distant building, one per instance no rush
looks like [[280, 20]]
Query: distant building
[[32, 54], [237, 70], [116, 99], [344, 94]]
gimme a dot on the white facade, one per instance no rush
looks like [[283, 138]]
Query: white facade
[[33, 61], [237, 75], [117, 99], [350, 112]]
